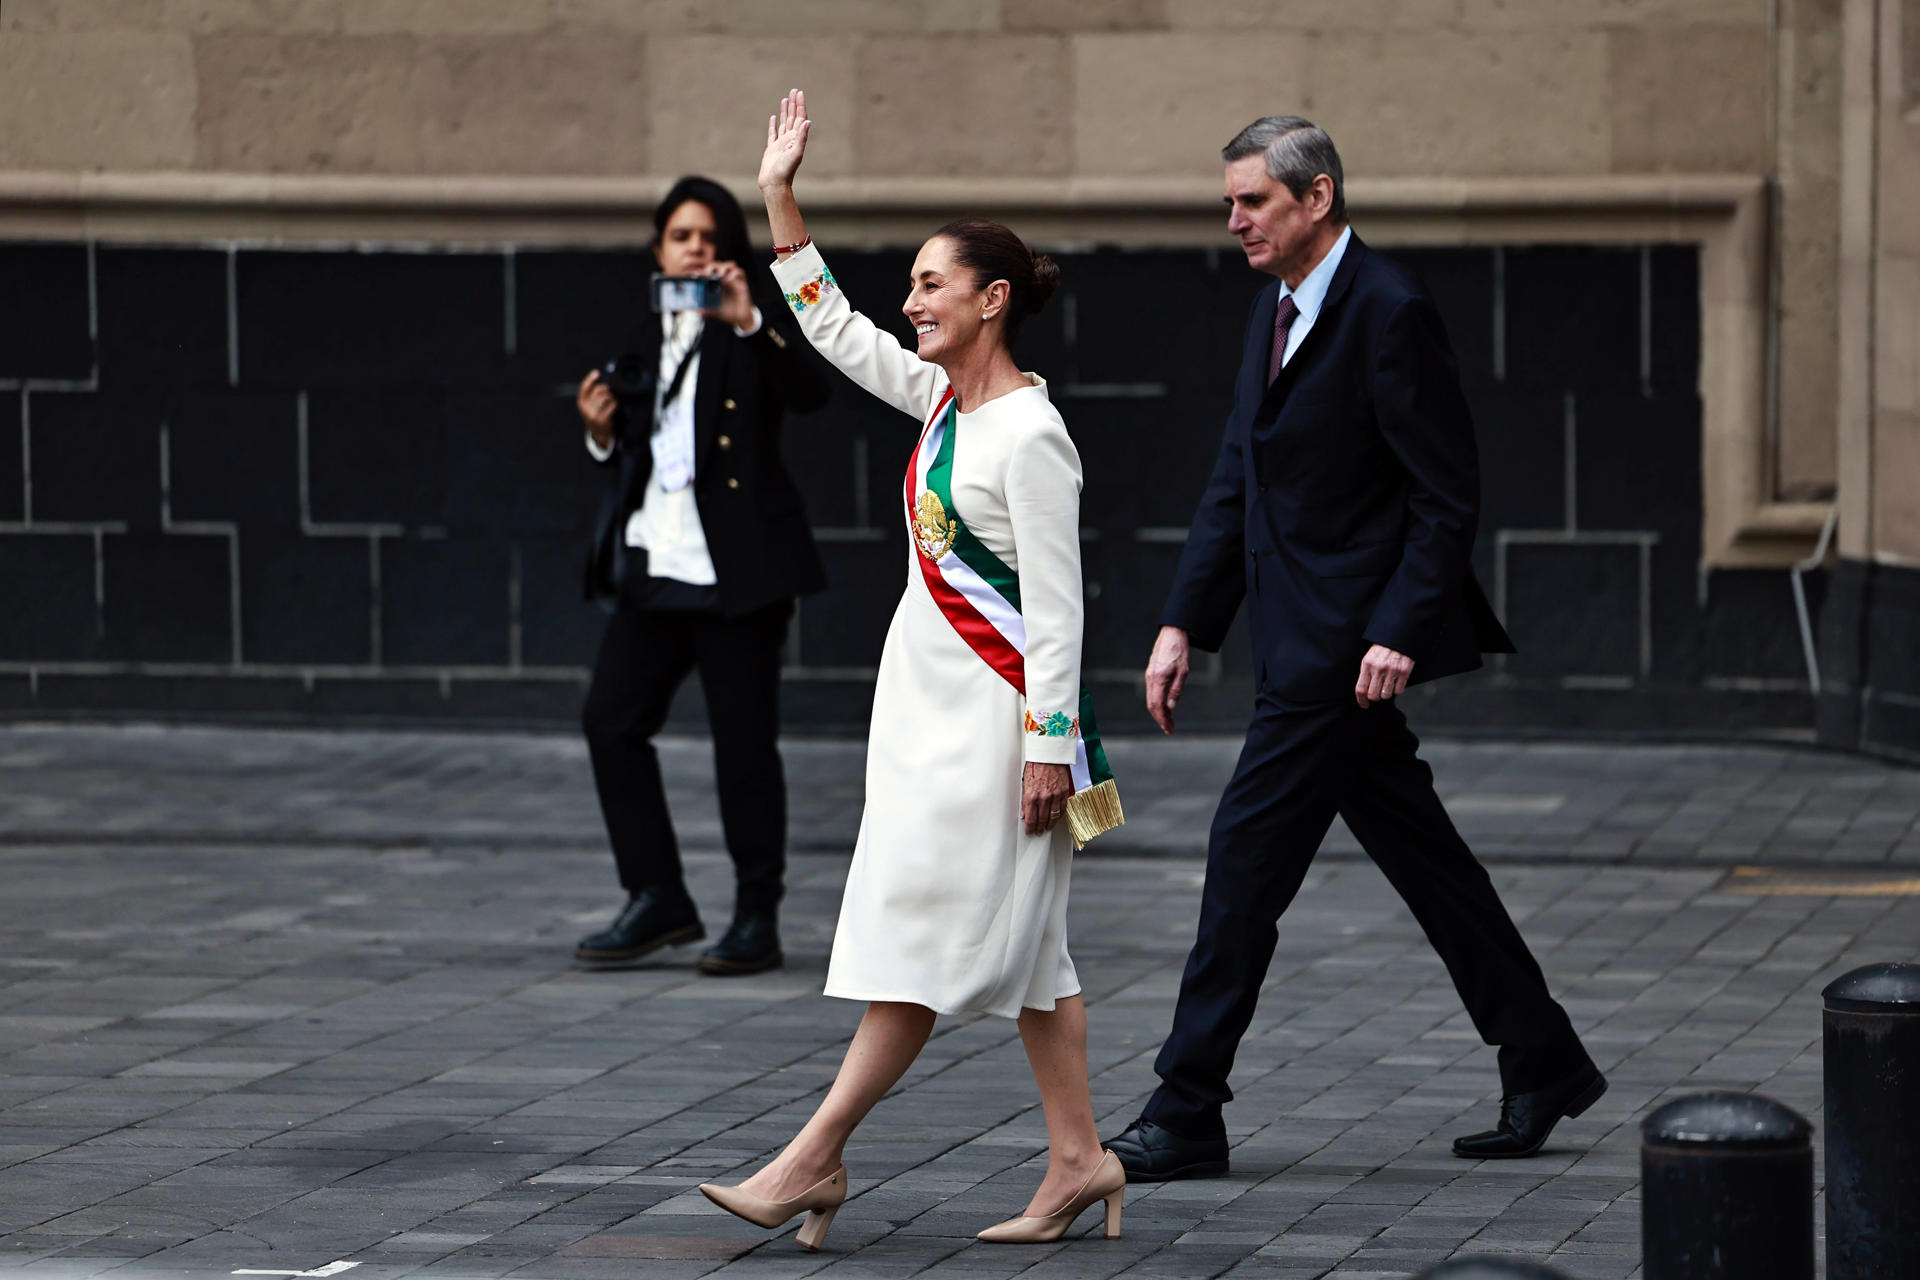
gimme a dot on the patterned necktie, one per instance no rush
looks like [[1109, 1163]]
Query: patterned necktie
[[1283, 318]]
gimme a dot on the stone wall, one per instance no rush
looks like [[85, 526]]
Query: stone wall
[[208, 121], [1870, 694], [969, 88]]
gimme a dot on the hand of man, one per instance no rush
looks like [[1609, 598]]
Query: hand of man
[[1044, 793], [597, 407], [1167, 675], [1383, 673], [736, 300]]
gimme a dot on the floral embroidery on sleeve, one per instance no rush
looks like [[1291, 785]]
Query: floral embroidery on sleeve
[[1057, 725], [813, 291]]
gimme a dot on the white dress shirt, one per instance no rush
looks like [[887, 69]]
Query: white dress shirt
[[667, 522], [1312, 293]]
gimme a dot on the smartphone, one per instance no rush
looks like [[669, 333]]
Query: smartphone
[[685, 293]]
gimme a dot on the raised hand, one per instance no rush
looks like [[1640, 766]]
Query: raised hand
[[786, 142]]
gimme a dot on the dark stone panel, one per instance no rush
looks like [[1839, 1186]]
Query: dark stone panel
[[846, 625], [1893, 630], [378, 458], [1523, 471], [517, 701], [1127, 588], [1461, 282], [1574, 609], [16, 695], [1842, 653], [1749, 627], [306, 600], [47, 607], [813, 706], [44, 322], [443, 602], [96, 456], [822, 453], [386, 699], [335, 320], [1675, 308], [163, 317], [1573, 318], [13, 489], [573, 312], [235, 456], [1891, 728], [558, 628], [169, 598], [1637, 464], [1115, 292], [516, 465], [1486, 702], [1142, 463], [186, 697]]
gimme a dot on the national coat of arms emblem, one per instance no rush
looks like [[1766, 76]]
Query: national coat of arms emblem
[[933, 529]]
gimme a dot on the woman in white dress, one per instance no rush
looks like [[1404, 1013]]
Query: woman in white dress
[[982, 740]]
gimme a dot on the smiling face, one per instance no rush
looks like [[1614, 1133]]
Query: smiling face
[[948, 310], [1276, 229], [686, 244]]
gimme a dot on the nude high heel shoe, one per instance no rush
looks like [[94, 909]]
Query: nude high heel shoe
[[1108, 1182], [819, 1202]]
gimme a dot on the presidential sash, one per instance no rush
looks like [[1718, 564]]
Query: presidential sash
[[980, 596]]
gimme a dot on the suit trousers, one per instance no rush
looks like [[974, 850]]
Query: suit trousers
[[644, 656], [1302, 764]]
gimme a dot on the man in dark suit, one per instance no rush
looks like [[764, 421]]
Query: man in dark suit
[[700, 548], [1342, 510]]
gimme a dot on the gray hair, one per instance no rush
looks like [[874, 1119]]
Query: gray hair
[[1297, 151]]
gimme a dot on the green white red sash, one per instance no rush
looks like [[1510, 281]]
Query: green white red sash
[[980, 596]]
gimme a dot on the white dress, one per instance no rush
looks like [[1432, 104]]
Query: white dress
[[949, 902]]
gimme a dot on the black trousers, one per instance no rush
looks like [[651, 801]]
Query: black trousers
[[1301, 765], [644, 656]]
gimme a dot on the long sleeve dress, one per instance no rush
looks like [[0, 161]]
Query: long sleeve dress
[[949, 902]]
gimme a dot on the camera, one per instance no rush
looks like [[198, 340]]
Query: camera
[[686, 293], [629, 377]]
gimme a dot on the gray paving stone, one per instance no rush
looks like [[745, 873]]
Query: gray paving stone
[[263, 1009]]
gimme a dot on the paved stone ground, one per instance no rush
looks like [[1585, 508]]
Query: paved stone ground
[[274, 1001], [1515, 800]]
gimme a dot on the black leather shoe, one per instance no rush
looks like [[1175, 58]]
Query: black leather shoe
[[1151, 1152], [652, 919], [1527, 1118], [752, 945]]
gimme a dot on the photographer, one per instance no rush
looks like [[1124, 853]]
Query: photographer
[[699, 550]]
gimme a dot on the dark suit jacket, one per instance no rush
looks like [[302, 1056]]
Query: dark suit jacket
[[750, 509], [1344, 501]]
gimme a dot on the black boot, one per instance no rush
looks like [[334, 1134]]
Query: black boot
[[752, 945], [1527, 1118], [653, 918]]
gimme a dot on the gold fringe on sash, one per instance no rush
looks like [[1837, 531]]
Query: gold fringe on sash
[[1093, 812]]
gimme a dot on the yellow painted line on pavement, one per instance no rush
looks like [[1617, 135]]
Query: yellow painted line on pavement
[[1839, 884]]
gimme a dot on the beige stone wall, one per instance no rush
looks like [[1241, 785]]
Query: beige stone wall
[[1006, 87], [1895, 426], [1878, 399], [963, 89]]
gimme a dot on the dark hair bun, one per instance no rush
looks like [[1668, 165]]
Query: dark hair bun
[[1046, 279]]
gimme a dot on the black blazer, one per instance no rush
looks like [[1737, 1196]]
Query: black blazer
[[750, 509], [1345, 498]]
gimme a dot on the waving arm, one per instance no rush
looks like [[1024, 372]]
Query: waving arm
[[850, 342]]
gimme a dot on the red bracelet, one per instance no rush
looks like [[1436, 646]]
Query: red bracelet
[[793, 248]]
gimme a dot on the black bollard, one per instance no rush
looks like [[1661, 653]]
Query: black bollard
[[1490, 1269], [1726, 1190], [1872, 1034]]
